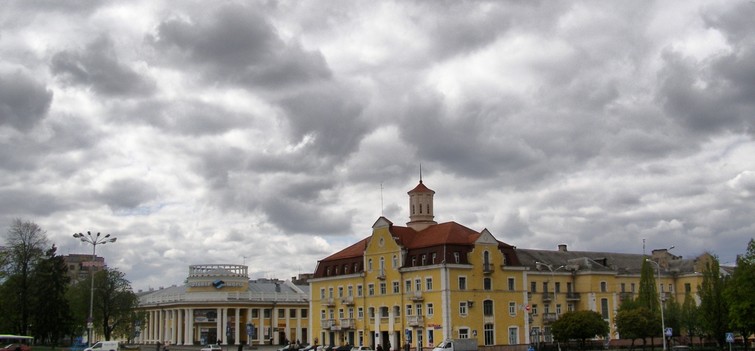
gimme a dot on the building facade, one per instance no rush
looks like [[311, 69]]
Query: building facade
[[428, 281], [219, 304]]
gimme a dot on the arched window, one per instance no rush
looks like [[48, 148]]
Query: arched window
[[487, 308]]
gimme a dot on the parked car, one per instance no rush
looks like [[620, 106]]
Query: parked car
[[346, 347], [306, 347], [211, 347], [361, 348]]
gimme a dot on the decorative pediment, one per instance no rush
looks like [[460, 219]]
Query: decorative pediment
[[486, 238], [382, 222]]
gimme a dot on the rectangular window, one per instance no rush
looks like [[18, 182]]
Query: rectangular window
[[456, 257], [340, 313], [533, 287], [568, 287], [360, 312], [255, 313], [408, 286], [545, 287], [396, 287], [331, 313], [350, 291], [408, 310], [322, 314], [267, 313], [418, 284], [546, 308], [359, 290], [382, 288], [330, 293], [534, 309], [462, 283], [428, 284], [351, 312], [430, 310], [557, 287], [604, 307], [418, 308], [370, 289], [322, 294], [304, 313], [463, 333], [558, 309], [512, 285], [433, 259], [292, 313], [512, 308], [631, 285], [603, 287], [430, 336], [424, 259], [487, 284], [570, 307], [340, 291], [623, 287], [281, 313], [687, 287], [463, 308]]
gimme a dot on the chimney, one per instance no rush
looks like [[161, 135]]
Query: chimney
[[562, 247]]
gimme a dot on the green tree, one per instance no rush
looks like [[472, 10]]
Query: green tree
[[740, 293], [689, 317], [637, 323], [714, 309], [579, 325], [672, 315], [115, 303], [52, 316], [648, 295], [25, 243]]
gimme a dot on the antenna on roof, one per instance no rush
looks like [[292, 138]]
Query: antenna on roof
[[381, 200]]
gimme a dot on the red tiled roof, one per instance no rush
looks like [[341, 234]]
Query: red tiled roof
[[439, 234], [355, 250], [421, 188]]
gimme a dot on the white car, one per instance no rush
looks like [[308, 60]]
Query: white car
[[361, 348], [211, 347]]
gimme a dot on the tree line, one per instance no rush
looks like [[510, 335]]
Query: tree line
[[724, 302], [38, 298]]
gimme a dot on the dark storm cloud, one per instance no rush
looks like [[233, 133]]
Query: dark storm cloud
[[716, 94], [23, 101], [98, 66], [27, 201], [238, 45], [183, 116], [124, 194], [335, 122]]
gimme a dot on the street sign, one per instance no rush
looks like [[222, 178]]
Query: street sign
[[730, 337], [669, 332]]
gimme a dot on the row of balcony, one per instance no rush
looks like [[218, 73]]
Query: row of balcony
[[549, 296], [350, 323]]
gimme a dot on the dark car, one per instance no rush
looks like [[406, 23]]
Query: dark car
[[346, 347]]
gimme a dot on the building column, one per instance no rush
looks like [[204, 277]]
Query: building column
[[180, 326], [261, 334], [218, 320], [236, 322], [189, 328]]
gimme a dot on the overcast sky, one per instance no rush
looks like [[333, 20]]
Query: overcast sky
[[201, 132]]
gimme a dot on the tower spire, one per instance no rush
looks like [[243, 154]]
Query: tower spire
[[420, 173]]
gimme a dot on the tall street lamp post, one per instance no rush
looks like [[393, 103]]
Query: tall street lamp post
[[94, 240], [660, 298]]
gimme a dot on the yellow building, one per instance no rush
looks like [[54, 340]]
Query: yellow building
[[428, 281], [219, 302]]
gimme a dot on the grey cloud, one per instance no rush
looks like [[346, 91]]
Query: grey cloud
[[28, 200], [183, 116], [238, 45], [124, 194], [335, 123], [23, 101], [99, 67]]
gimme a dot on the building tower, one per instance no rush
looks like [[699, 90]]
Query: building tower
[[420, 207]]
